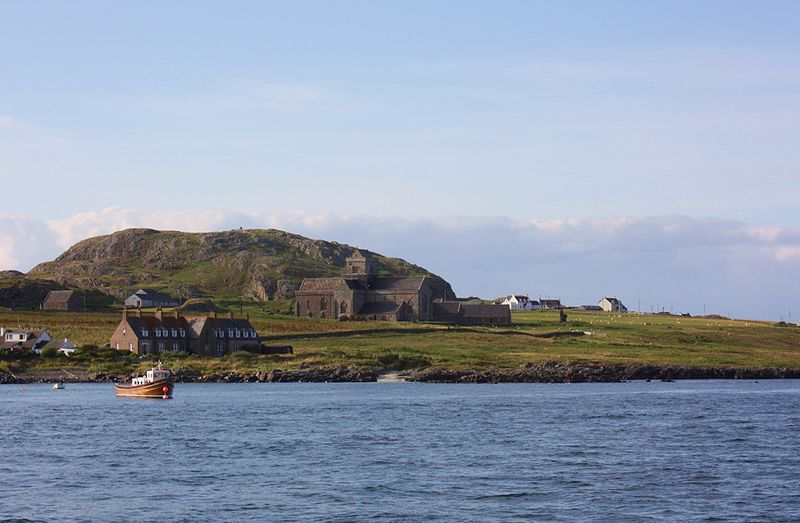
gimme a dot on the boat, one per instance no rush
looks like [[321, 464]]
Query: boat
[[156, 383], [58, 386]]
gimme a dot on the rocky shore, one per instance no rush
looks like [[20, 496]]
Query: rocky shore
[[549, 372], [554, 372]]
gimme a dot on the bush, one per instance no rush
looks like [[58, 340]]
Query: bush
[[241, 355], [50, 352]]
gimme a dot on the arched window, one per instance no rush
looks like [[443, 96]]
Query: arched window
[[323, 304], [343, 308]]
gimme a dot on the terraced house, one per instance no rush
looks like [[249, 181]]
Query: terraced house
[[209, 335]]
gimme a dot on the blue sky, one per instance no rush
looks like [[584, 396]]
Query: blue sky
[[415, 112]]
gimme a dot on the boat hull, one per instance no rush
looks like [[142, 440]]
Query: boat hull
[[148, 390]]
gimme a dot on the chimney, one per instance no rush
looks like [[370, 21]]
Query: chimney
[[230, 315], [138, 313], [213, 315], [159, 313], [247, 316], [124, 313], [177, 312]]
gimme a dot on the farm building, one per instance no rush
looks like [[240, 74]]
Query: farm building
[[62, 301], [550, 304]]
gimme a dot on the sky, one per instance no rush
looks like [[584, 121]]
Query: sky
[[645, 150]]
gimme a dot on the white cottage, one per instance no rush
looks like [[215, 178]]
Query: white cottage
[[612, 305], [17, 339], [520, 302]]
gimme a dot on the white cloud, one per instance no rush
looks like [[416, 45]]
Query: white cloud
[[676, 261]]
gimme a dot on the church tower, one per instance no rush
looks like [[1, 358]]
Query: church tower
[[359, 265]]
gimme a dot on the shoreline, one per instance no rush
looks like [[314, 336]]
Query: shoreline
[[550, 372]]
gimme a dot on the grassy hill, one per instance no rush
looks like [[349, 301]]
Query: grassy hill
[[255, 265]]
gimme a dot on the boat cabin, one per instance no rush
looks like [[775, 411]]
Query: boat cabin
[[152, 375]]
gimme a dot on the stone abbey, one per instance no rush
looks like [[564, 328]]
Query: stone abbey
[[361, 293]]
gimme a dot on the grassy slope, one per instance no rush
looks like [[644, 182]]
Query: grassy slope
[[629, 338]]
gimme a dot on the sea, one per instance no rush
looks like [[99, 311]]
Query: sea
[[637, 451]]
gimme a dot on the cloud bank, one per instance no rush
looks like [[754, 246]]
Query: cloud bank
[[671, 263]]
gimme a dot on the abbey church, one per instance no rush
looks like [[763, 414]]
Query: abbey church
[[364, 294]]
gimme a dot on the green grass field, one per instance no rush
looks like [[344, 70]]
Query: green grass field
[[588, 337]]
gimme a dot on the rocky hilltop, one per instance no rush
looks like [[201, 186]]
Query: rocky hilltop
[[258, 264]]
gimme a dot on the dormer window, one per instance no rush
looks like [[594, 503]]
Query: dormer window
[[174, 333], [230, 333], [145, 333], [221, 333], [183, 333], [158, 333], [238, 333]]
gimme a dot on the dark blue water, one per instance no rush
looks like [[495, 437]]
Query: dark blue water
[[707, 450]]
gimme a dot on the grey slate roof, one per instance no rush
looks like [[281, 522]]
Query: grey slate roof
[[54, 297]]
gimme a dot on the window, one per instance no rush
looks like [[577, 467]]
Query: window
[[160, 345], [323, 304], [183, 333], [158, 333], [175, 347], [238, 333], [230, 333], [221, 333], [124, 332], [174, 333], [145, 347], [145, 332]]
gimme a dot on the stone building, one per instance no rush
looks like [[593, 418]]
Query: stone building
[[361, 293], [209, 335], [62, 301], [467, 313]]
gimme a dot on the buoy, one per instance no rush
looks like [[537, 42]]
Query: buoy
[[165, 389], [24, 389]]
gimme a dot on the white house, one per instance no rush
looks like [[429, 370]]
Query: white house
[[612, 305], [16, 339], [520, 302]]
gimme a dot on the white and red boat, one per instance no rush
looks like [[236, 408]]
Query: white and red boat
[[156, 383]]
